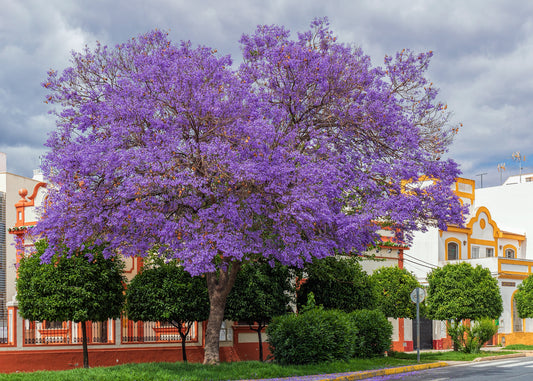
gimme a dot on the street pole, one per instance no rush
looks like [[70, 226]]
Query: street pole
[[417, 325]]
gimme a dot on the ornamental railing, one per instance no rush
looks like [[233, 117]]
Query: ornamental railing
[[154, 332], [67, 332]]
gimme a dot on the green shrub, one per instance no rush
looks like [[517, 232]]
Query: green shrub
[[470, 338], [313, 336], [374, 333]]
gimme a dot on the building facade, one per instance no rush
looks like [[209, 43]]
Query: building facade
[[495, 237]]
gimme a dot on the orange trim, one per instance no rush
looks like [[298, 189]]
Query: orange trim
[[508, 275], [454, 240], [22, 204], [455, 229], [508, 247]]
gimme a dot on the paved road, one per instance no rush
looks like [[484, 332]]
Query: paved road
[[513, 369]]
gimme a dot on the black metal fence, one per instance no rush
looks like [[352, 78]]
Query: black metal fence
[[4, 330]]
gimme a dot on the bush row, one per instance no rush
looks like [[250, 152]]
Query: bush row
[[318, 335]]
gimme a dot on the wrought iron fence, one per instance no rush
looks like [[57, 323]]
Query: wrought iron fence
[[44, 333], [154, 332], [4, 330]]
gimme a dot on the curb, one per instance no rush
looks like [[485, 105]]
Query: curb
[[388, 371]]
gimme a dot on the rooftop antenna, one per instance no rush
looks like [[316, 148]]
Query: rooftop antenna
[[517, 156], [501, 169], [481, 175]]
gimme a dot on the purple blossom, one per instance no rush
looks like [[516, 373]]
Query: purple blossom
[[293, 155]]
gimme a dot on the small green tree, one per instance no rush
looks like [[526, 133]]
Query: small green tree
[[83, 287], [337, 283], [392, 292], [458, 292], [164, 291], [470, 338], [524, 298], [260, 293]]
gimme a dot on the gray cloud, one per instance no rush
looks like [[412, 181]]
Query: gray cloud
[[482, 62]]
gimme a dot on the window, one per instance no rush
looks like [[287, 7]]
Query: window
[[226, 332], [509, 253], [475, 252], [453, 251], [489, 252]]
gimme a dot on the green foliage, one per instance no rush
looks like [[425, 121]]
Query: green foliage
[[460, 291], [374, 333], [392, 292], [313, 336], [524, 298], [260, 293], [337, 283], [83, 287], [469, 338], [198, 372], [164, 291]]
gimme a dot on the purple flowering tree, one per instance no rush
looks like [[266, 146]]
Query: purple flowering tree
[[301, 151]]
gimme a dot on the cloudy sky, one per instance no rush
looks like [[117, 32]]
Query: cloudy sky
[[483, 58]]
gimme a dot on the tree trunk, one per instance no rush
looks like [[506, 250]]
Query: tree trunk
[[259, 339], [183, 336], [219, 285], [84, 340]]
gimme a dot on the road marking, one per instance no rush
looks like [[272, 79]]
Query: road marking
[[515, 364], [496, 363]]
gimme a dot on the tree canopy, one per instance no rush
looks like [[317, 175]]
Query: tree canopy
[[261, 292], [336, 283], [524, 298], [294, 154], [460, 291], [392, 291], [163, 291], [82, 287]]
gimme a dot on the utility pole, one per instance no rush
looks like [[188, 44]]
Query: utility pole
[[481, 175], [501, 168], [517, 156]]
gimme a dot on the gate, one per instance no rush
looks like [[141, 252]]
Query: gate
[[426, 334]]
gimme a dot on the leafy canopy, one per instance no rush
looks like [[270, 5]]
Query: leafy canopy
[[295, 153], [392, 292], [83, 287], [260, 292], [460, 291], [164, 291], [336, 283], [524, 298]]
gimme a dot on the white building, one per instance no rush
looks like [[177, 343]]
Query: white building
[[9, 196], [495, 237]]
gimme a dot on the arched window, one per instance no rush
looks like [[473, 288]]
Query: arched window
[[509, 253], [453, 251]]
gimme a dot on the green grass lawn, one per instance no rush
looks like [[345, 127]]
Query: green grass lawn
[[236, 370], [450, 355], [519, 347]]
